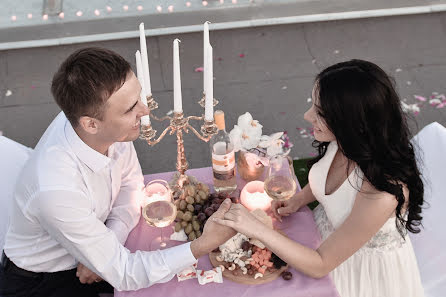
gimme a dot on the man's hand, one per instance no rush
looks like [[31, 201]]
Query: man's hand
[[214, 234], [86, 276]]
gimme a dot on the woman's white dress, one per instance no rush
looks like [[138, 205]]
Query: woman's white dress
[[386, 265]]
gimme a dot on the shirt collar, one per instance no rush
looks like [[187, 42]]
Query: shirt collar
[[92, 158]]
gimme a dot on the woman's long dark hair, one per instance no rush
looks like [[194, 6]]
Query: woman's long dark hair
[[361, 108]]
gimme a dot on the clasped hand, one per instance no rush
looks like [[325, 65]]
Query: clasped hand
[[241, 220]]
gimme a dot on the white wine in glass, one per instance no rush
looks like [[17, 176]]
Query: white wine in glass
[[160, 213], [280, 187], [159, 210], [280, 183]]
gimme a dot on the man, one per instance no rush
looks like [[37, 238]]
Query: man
[[78, 196]]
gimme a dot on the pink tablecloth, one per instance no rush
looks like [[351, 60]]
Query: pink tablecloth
[[300, 227]]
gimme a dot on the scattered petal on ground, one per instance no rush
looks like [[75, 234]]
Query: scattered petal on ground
[[418, 97], [408, 82], [306, 132], [313, 61], [309, 100], [434, 101], [8, 93], [199, 69], [282, 113], [398, 70], [241, 55], [33, 87], [336, 52], [284, 87], [410, 107]]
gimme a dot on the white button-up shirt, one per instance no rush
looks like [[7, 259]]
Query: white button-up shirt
[[73, 204]]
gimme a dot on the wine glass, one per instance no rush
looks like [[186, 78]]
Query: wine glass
[[159, 210], [280, 183]]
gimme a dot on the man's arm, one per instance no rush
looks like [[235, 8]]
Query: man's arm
[[69, 219], [126, 210]]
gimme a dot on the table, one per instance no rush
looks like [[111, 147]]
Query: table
[[300, 227]]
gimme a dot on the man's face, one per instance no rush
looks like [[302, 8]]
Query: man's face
[[122, 114]]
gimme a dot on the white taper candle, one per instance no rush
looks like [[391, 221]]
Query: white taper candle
[[209, 103], [145, 120], [205, 60], [144, 59], [177, 100]]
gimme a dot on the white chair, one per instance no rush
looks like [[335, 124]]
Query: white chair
[[430, 244], [13, 156]]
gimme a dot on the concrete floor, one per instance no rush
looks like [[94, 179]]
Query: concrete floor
[[272, 80]]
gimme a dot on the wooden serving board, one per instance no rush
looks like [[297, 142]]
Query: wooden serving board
[[245, 278]]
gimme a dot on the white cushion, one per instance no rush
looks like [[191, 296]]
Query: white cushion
[[430, 244], [13, 156]]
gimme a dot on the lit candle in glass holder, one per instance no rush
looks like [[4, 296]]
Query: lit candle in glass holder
[[253, 196]]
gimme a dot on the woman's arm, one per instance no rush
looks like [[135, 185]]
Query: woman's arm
[[370, 211]]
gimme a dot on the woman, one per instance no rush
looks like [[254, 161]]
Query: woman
[[368, 185]]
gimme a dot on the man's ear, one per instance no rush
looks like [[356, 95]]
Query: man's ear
[[89, 124]]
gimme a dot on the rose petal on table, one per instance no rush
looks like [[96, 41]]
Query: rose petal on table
[[199, 69], [418, 97]]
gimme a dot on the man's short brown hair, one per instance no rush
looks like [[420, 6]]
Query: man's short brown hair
[[86, 79]]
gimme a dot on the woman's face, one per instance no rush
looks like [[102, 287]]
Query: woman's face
[[321, 131]]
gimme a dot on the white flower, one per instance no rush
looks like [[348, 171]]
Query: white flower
[[236, 138], [246, 134], [276, 148], [268, 140]]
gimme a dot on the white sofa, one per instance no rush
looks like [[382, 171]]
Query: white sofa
[[430, 243], [13, 156]]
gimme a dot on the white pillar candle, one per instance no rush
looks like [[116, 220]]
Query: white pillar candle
[[253, 196], [205, 60], [209, 102], [177, 100], [144, 59]]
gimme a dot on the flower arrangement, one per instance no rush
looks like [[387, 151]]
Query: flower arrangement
[[247, 135], [255, 148]]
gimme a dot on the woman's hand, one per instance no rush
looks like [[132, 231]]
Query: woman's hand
[[283, 208], [240, 219]]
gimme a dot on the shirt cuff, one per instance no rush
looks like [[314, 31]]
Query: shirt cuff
[[179, 257]]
